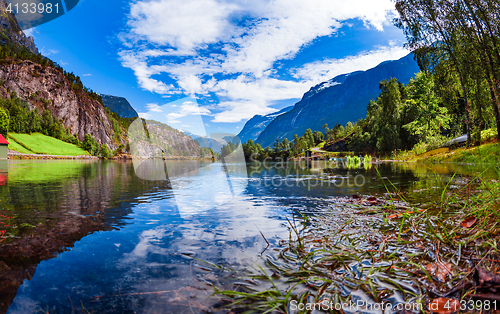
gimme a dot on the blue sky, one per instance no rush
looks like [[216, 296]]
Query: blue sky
[[234, 58]]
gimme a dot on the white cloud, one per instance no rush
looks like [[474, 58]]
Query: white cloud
[[174, 121], [154, 107], [239, 42], [180, 24], [48, 52], [188, 108], [31, 32], [318, 72], [88, 74], [145, 115], [235, 111]]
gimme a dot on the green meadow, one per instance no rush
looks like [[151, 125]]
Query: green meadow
[[37, 143]]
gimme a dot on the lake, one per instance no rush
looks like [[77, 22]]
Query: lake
[[108, 237]]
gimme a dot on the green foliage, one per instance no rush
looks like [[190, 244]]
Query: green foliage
[[430, 117], [4, 122], [318, 137], [252, 150], [430, 143], [206, 151], [90, 145], [308, 139], [484, 154], [119, 123], [228, 149], [105, 153], [488, 134], [403, 118], [387, 120], [458, 42], [22, 120]]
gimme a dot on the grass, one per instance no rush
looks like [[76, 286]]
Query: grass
[[384, 252], [485, 154], [41, 144], [13, 145]]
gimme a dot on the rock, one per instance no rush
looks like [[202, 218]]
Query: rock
[[78, 112], [13, 33]]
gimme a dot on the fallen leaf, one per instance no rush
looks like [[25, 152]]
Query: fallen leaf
[[356, 197], [468, 222], [439, 270], [371, 199], [487, 279], [444, 306]]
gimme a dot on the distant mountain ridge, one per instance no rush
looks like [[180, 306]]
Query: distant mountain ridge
[[257, 124], [119, 105], [214, 143], [339, 100]]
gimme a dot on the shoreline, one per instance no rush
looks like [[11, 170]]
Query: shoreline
[[13, 155]]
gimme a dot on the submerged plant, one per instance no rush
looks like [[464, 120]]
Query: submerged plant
[[382, 252]]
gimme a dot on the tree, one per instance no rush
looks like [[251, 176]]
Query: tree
[[296, 145], [105, 151], [386, 113], [327, 130], [309, 139], [90, 144], [34, 123], [318, 137], [226, 150], [277, 146], [47, 121], [464, 33], [4, 122], [430, 117]]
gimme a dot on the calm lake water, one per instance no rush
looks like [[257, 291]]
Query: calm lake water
[[99, 237]]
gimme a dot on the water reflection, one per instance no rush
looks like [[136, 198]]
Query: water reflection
[[101, 238], [45, 207]]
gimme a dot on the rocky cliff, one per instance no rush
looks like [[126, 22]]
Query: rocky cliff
[[11, 33], [340, 100], [152, 139], [45, 87]]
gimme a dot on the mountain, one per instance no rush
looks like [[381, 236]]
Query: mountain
[[215, 143], [119, 105], [257, 124], [160, 140], [44, 85], [340, 100]]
